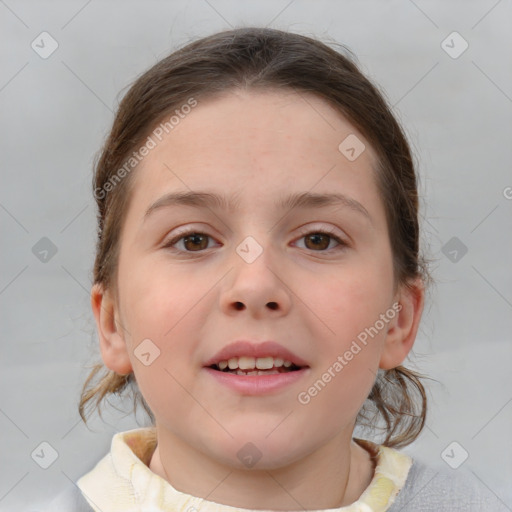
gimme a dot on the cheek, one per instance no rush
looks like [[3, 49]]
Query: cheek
[[341, 393], [348, 301], [155, 301], [350, 306], [352, 333], [344, 376], [162, 314]]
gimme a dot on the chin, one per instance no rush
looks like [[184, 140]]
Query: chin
[[257, 450]]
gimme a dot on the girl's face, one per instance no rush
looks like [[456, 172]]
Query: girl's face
[[257, 270]]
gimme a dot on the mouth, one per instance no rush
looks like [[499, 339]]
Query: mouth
[[256, 376], [251, 369], [255, 366]]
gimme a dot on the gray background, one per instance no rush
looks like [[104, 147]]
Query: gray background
[[56, 111]]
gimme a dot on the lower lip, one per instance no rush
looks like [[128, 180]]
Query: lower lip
[[257, 384]]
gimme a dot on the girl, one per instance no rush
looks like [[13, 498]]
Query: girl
[[258, 285]]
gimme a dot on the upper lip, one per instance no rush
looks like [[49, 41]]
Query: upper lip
[[250, 349]]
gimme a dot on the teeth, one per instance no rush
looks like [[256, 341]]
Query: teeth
[[251, 363], [264, 363], [272, 372], [246, 363]]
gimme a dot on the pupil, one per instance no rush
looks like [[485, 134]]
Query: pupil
[[315, 238], [194, 238]]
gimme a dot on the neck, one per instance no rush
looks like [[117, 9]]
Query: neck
[[334, 475]]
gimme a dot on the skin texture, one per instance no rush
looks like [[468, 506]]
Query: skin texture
[[313, 297]]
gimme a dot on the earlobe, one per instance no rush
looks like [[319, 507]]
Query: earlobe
[[110, 332], [402, 334]]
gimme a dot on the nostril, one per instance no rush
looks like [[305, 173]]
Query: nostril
[[239, 305], [272, 305]]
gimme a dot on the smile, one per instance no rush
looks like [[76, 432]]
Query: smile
[[246, 365], [254, 381]]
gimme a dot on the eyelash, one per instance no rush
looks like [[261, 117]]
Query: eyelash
[[341, 243]]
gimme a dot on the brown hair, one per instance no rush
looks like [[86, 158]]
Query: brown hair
[[260, 58]]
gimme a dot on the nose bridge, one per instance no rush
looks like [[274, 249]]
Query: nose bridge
[[256, 259], [255, 282]]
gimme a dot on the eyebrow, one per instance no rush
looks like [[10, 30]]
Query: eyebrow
[[212, 200]]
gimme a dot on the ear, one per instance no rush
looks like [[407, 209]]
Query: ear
[[110, 332], [402, 332]]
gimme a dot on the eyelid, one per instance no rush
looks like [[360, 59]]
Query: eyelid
[[341, 240], [336, 233], [303, 230], [191, 227], [185, 231], [320, 229]]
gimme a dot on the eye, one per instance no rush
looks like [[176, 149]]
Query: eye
[[320, 240], [193, 241], [196, 241]]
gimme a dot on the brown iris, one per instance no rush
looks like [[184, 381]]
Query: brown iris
[[317, 239], [199, 242]]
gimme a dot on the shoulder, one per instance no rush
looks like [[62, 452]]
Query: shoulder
[[70, 500], [432, 490]]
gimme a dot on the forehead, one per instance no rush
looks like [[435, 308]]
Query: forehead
[[255, 144], [254, 124]]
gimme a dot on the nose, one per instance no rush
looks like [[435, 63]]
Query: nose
[[259, 287]]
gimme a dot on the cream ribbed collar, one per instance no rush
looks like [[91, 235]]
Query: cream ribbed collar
[[123, 482]]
